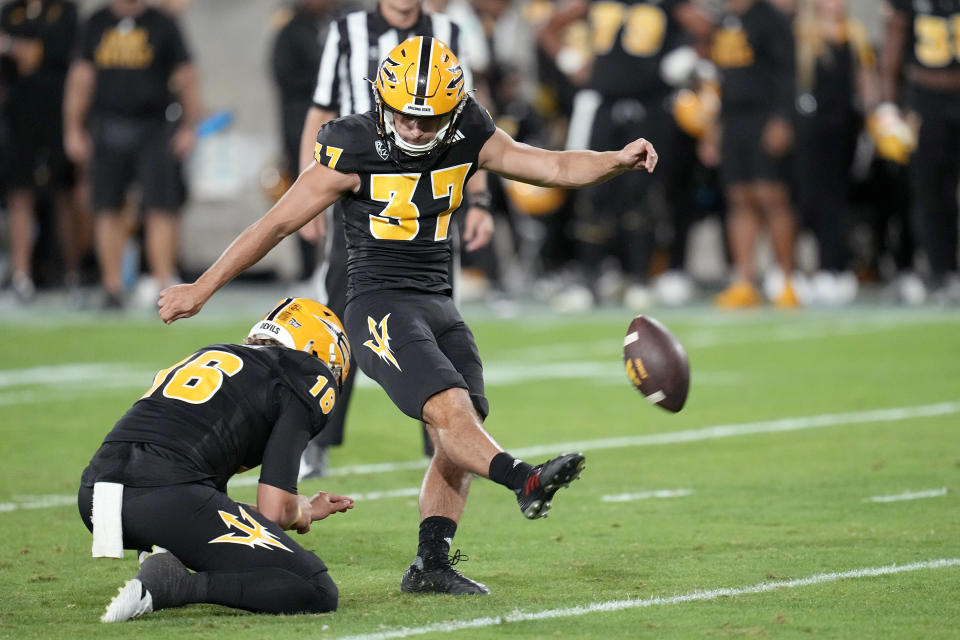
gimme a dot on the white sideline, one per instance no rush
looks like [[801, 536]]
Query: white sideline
[[909, 495], [630, 603]]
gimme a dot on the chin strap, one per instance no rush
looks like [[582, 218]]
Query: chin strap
[[388, 133]]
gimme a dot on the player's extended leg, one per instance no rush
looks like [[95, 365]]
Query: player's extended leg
[[461, 438], [425, 358]]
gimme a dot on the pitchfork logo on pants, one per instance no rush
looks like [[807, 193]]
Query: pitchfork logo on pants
[[256, 534], [380, 344]]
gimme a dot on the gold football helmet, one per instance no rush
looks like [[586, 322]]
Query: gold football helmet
[[695, 111], [306, 325], [532, 199], [893, 135], [420, 77]]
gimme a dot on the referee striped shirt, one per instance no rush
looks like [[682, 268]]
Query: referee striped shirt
[[354, 48]]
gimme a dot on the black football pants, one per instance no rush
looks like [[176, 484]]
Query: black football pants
[[934, 173], [249, 562]]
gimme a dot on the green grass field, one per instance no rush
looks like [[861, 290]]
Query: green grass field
[[808, 489]]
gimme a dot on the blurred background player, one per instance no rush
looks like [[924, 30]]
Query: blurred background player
[[922, 52], [354, 48], [837, 84], [753, 48], [294, 60], [39, 36], [132, 105], [160, 476], [627, 92]]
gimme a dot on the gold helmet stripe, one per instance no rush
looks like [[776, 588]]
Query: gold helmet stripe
[[273, 314], [425, 66]]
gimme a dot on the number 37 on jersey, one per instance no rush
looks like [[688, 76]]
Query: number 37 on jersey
[[400, 217]]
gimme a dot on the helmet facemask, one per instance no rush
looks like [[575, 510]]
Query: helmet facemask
[[442, 139]]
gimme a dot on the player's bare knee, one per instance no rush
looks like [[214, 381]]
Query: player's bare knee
[[443, 409]]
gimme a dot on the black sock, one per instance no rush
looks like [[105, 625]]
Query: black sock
[[509, 471], [436, 532], [194, 588], [170, 583]]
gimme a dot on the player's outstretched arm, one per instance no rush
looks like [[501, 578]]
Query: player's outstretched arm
[[567, 169], [316, 189]]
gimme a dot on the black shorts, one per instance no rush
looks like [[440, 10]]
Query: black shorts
[[205, 529], [135, 151], [415, 345], [37, 159], [744, 158]]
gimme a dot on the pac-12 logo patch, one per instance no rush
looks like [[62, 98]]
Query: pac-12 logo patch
[[380, 344], [255, 533], [382, 149]]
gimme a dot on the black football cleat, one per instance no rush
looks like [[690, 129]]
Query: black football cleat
[[442, 579], [536, 496]]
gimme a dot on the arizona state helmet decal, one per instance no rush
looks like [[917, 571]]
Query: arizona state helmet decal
[[306, 325], [420, 77]]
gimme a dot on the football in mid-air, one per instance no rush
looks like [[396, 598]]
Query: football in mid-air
[[656, 363]]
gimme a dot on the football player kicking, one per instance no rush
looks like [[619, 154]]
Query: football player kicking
[[399, 172], [159, 479]]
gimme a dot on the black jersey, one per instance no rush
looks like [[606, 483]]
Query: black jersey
[[223, 408], [934, 32], [54, 24], [397, 224], [629, 39], [134, 58], [755, 54]]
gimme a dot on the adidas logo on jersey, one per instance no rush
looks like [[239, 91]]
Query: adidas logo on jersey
[[457, 137]]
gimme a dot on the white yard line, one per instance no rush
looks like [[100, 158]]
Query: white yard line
[[630, 603], [37, 502], [75, 381], [721, 334], [766, 426], [673, 437], [646, 495], [909, 495], [692, 435]]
